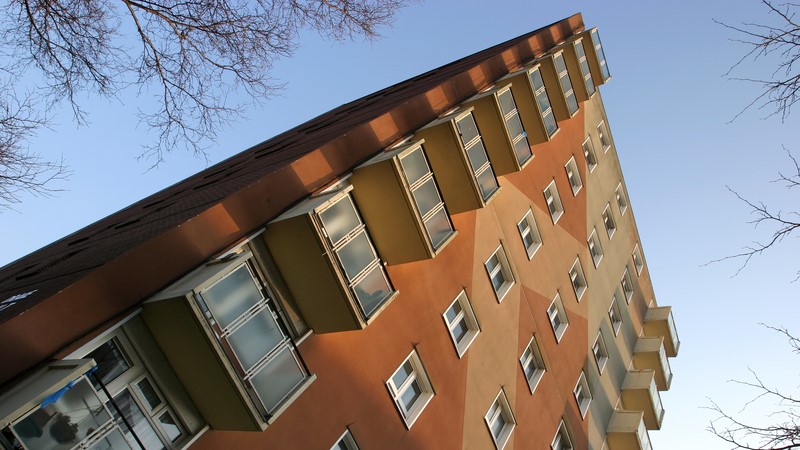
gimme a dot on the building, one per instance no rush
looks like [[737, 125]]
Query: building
[[451, 262]]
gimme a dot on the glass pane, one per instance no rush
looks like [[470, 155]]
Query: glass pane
[[340, 219], [427, 197], [522, 150], [232, 296], [477, 156], [584, 64], [402, 374], [528, 240], [498, 425], [356, 255], [506, 102], [498, 279], [113, 440], [589, 85], [559, 63], [487, 183], [514, 126], [414, 166], [278, 379], [170, 426], [550, 124], [452, 312], [467, 128], [411, 395], [111, 362], [536, 80], [372, 290], [438, 227], [147, 391], [492, 263], [572, 103], [255, 339], [141, 426], [579, 50], [460, 330]]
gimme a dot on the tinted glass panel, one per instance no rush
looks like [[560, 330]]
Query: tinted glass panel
[[257, 337], [232, 296], [402, 374], [113, 440], [426, 196], [356, 255], [487, 183], [506, 102], [467, 128], [536, 80], [147, 391], [514, 126], [414, 166], [340, 219], [170, 426], [141, 426], [111, 362], [438, 227], [452, 312], [522, 150], [544, 101], [460, 330], [278, 379], [559, 63], [372, 290], [550, 124], [477, 156], [411, 395]]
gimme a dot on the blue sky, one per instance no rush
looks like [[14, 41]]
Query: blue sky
[[669, 107]]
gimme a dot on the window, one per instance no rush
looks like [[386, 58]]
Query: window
[[584, 66], [602, 133], [461, 322], [427, 198], [410, 388], [594, 248], [566, 84], [601, 55], [499, 273], [627, 285], [622, 200], [553, 200], [561, 441], [531, 239], [573, 175], [588, 153], [500, 420], [600, 352], [558, 317], [608, 221], [582, 394], [532, 364], [476, 154], [517, 134], [638, 262], [614, 315], [346, 442], [578, 279], [356, 255], [543, 101]]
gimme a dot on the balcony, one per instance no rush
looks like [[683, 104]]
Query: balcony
[[658, 321], [649, 354], [627, 431], [639, 393]]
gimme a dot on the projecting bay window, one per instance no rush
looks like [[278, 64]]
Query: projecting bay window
[[601, 55], [476, 154], [543, 101], [584, 66], [565, 83], [517, 134]]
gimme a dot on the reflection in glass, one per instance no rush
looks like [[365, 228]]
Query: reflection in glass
[[372, 290], [438, 227], [414, 166], [487, 183], [467, 128], [111, 362], [141, 426], [278, 379], [356, 255], [426, 196], [170, 426], [340, 219], [256, 338], [230, 297]]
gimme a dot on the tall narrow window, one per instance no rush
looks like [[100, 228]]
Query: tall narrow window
[[627, 284], [561, 441], [566, 84], [532, 364], [573, 175], [601, 55], [553, 201], [543, 101], [410, 388], [517, 134], [558, 317], [461, 323], [602, 133], [638, 261], [427, 198], [500, 420], [584, 65], [600, 352], [614, 315], [582, 394], [622, 200], [476, 153], [531, 239], [500, 274], [589, 154], [345, 442], [595, 250], [578, 279], [608, 222]]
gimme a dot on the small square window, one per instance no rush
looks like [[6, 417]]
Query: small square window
[[582, 394], [410, 388], [638, 261], [627, 285], [578, 279], [529, 232], [608, 221], [561, 441], [558, 317], [499, 272], [600, 352], [461, 323], [589, 154], [622, 200], [573, 175], [553, 200], [594, 248], [346, 442], [532, 364], [500, 420], [605, 138], [614, 315]]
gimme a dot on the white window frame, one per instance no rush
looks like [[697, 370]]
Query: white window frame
[[604, 136], [503, 267], [532, 356], [589, 154], [578, 279], [561, 441], [595, 248], [600, 351], [627, 285], [638, 260], [583, 395], [500, 408], [615, 312], [418, 376], [556, 311], [622, 199], [347, 439], [541, 96], [553, 198], [608, 221], [465, 315], [573, 176], [527, 227]]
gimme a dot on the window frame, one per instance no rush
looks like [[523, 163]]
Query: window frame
[[589, 154], [626, 279], [486, 167], [595, 248], [561, 435], [347, 439], [532, 355], [579, 392], [638, 259], [615, 312], [503, 267], [558, 205], [609, 222], [532, 230], [583, 65], [601, 54], [500, 407], [556, 310], [600, 351], [622, 199], [507, 116], [567, 90], [604, 136], [419, 376], [540, 94], [578, 279], [467, 315], [573, 176]]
